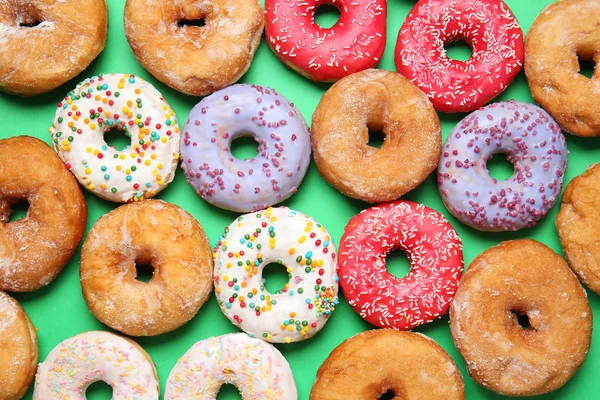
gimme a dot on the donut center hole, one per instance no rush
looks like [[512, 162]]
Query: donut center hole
[[144, 271], [499, 167], [587, 66], [244, 147], [521, 319], [30, 23], [327, 15], [397, 264], [389, 395], [228, 391], [18, 210], [275, 278], [458, 50], [376, 136], [199, 22], [99, 391], [117, 139]]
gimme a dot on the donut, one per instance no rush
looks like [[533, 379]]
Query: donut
[[94, 356], [355, 43], [154, 233], [286, 237], [133, 107], [487, 26], [252, 184], [256, 368], [577, 224], [521, 278], [430, 243], [379, 101], [376, 363], [35, 248], [195, 47], [531, 140], [564, 33], [19, 355]]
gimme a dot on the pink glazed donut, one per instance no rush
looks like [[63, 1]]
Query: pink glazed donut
[[251, 184]]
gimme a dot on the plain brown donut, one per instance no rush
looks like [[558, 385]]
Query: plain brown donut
[[148, 232], [37, 59], [374, 362], [563, 32], [195, 60], [381, 101], [34, 249], [521, 277]]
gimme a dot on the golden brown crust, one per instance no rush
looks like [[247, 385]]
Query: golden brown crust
[[37, 59], [18, 349], [34, 249], [379, 100], [195, 60], [521, 277], [562, 32], [369, 364], [147, 232]]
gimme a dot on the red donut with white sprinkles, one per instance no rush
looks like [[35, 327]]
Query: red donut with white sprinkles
[[491, 30], [355, 43], [436, 263]]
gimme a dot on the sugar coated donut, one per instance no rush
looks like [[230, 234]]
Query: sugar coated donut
[[355, 43], [532, 142], [136, 109], [435, 253], [380, 101], [256, 368], [94, 356], [251, 184], [195, 47], [374, 363], [19, 355], [564, 33], [285, 237], [35, 248], [578, 222], [149, 232], [521, 278], [44, 43], [487, 26]]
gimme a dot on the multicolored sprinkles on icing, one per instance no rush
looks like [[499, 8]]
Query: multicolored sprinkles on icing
[[294, 240]]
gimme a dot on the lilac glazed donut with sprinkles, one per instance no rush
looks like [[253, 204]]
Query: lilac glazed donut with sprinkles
[[251, 184], [286, 237], [77, 362], [257, 369], [133, 107], [532, 142]]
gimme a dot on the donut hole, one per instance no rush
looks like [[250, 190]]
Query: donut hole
[[144, 271], [521, 318], [30, 23], [397, 264], [199, 22], [18, 210], [458, 50], [244, 147], [389, 395], [587, 65], [275, 278], [327, 15], [499, 167], [117, 139], [99, 390], [228, 391], [376, 135]]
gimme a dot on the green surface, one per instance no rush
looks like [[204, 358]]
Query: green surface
[[59, 310]]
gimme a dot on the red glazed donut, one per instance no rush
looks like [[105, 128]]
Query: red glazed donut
[[435, 253], [488, 26], [355, 43]]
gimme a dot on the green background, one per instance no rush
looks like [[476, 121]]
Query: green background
[[59, 310]]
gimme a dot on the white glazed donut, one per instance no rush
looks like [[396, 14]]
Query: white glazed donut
[[132, 105], [95, 356], [256, 368], [283, 236]]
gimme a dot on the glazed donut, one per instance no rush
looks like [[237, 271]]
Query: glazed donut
[[532, 142], [94, 356], [564, 33], [154, 233], [435, 253], [256, 368], [381, 101], [355, 43], [43, 44], [577, 223], [194, 59], [286, 237], [135, 108], [373, 363], [19, 355], [34, 249], [252, 184], [487, 26], [521, 277]]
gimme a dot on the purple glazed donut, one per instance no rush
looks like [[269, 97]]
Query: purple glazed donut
[[532, 142], [252, 184]]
